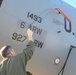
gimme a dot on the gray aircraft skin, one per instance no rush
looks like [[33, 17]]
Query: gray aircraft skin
[[53, 24]]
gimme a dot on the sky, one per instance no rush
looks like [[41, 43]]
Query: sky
[[71, 2]]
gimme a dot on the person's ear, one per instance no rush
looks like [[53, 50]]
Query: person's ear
[[11, 52]]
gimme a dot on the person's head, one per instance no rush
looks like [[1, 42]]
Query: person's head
[[7, 51]]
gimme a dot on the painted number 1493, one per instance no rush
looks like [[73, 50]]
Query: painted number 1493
[[34, 17]]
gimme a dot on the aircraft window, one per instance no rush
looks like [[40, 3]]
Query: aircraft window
[[1, 2]]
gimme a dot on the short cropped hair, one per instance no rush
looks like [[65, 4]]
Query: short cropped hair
[[28, 73], [5, 50]]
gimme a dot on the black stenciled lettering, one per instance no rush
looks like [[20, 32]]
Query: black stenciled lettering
[[31, 16], [39, 31], [24, 38], [38, 44], [19, 37], [35, 29], [39, 19], [34, 17], [14, 36], [22, 25]]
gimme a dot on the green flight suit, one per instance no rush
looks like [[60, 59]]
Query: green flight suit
[[16, 65]]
